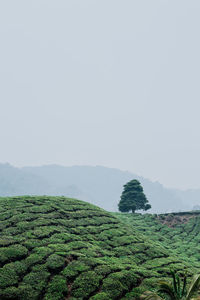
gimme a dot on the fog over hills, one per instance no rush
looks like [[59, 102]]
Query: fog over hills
[[98, 185]]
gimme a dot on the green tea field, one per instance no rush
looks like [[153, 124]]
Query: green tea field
[[56, 248], [178, 232]]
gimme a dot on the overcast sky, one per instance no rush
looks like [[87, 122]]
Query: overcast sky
[[108, 82]]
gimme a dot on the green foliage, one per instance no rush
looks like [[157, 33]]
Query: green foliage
[[181, 238], [113, 287], [85, 284], [57, 288], [101, 296], [55, 248], [174, 290], [9, 293], [133, 198], [8, 276], [55, 262], [37, 279], [74, 268], [12, 253]]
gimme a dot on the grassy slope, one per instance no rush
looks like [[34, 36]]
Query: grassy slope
[[58, 248], [178, 232]]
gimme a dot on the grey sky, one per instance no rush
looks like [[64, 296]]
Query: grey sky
[[113, 83]]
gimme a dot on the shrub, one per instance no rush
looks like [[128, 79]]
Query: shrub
[[55, 262], [12, 252], [8, 276], [57, 288], [85, 284], [74, 268]]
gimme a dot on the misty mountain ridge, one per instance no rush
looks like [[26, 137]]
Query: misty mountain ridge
[[99, 185]]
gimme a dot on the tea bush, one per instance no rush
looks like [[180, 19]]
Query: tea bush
[[56, 248]]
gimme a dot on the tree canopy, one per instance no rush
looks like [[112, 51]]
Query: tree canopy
[[133, 197]]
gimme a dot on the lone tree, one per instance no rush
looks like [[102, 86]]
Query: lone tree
[[133, 198]]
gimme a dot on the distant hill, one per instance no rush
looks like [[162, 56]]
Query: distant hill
[[16, 181], [58, 248], [103, 186], [98, 185]]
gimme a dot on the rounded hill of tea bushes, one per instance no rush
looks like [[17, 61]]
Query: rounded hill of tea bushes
[[56, 248]]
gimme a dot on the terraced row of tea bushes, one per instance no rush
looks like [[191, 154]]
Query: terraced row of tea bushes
[[56, 248], [183, 238]]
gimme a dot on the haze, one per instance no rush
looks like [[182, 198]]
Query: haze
[[112, 83]]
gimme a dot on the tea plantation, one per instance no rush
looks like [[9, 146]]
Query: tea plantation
[[56, 248], [178, 232]]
